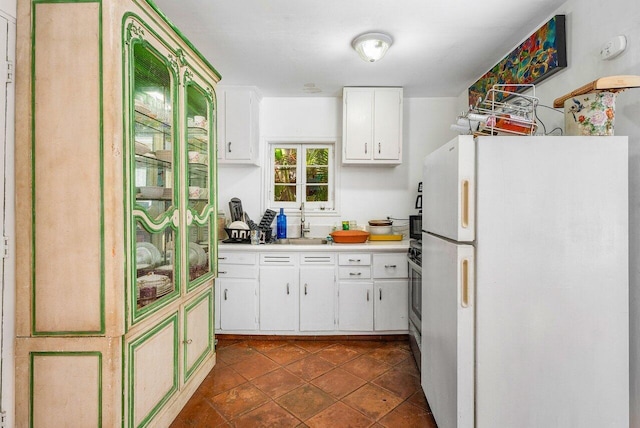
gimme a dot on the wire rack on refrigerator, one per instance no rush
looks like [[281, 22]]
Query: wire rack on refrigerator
[[506, 111]]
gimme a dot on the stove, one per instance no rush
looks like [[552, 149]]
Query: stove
[[414, 258]]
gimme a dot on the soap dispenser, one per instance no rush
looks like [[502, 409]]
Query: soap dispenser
[[281, 224]]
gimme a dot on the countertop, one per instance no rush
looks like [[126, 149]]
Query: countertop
[[377, 246]]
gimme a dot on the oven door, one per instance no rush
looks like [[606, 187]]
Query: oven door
[[415, 295]]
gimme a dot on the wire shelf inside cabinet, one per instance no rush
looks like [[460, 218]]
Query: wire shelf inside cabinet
[[508, 111]]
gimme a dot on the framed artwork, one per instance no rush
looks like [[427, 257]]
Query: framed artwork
[[541, 55]]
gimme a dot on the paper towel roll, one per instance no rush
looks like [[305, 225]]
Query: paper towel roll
[[461, 129]]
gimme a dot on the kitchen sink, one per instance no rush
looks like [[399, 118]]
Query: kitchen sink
[[305, 241]]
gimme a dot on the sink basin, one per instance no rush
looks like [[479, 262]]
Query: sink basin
[[306, 241]]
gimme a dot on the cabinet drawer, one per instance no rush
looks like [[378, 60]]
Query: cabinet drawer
[[237, 271], [317, 259], [390, 265], [354, 272], [238, 258], [278, 259], [354, 259]]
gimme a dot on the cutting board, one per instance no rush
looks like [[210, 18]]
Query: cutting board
[[610, 83], [385, 237]]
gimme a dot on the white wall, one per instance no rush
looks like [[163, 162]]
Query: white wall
[[366, 192], [590, 24]]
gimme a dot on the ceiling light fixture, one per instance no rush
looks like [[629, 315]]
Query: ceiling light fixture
[[372, 46]]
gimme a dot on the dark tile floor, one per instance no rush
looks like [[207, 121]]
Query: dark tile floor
[[309, 383]]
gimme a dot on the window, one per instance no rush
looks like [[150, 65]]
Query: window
[[302, 173]]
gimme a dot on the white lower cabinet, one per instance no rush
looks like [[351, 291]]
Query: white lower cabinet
[[300, 292], [391, 308], [237, 292], [317, 292], [278, 292], [355, 292], [355, 305], [237, 304], [391, 287]]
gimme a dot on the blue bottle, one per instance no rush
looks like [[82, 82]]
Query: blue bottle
[[281, 225]]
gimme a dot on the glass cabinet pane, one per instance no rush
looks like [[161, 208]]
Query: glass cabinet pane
[[153, 133], [155, 272], [199, 181], [154, 180]]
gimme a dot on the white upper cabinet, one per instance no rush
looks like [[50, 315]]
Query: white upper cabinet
[[238, 125], [372, 126]]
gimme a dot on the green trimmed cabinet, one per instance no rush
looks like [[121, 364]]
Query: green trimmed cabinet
[[116, 184]]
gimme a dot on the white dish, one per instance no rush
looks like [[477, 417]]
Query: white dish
[[239, 225], [148, 248], [197, 255]]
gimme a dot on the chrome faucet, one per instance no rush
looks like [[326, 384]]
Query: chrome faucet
[[303, 229]]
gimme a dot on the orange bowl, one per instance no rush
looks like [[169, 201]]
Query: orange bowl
[[349, 236]]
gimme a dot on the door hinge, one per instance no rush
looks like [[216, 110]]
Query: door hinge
[[3, 419], [5, 247], [9, 71]]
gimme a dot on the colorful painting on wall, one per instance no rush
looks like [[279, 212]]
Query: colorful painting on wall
[[538, 57]]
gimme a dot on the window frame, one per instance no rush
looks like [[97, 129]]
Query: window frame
[[302, 145]]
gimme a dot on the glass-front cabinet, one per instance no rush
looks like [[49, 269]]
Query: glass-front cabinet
[[171, 200]]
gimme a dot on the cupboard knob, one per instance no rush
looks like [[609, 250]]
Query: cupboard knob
[[188, 341]]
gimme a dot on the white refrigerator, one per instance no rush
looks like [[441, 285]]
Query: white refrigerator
[[525, 310]]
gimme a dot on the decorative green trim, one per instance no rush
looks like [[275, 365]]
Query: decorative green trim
[[188, 371], [102, 328], [32, 356], [182, 37], [172, 319]]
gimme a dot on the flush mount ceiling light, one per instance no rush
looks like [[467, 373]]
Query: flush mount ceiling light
[[372, 46]]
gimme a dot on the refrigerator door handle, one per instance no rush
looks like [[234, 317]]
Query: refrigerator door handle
[[464, 265], [464, 218]]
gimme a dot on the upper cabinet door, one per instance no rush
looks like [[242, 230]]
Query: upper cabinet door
[[358, 129], [387, 124], [238, 126]]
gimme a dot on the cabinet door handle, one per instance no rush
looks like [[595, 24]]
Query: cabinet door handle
[[225, 293], [379, 148], [287, 288], [355, 273], [222, 272], [222, 258], [355, 260], [365, 148], [367, 295], [305, 289], [380, 290], [229, 144], [390, 266], [188, 341]]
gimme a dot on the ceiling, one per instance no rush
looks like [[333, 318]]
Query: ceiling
[[292, 48]]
